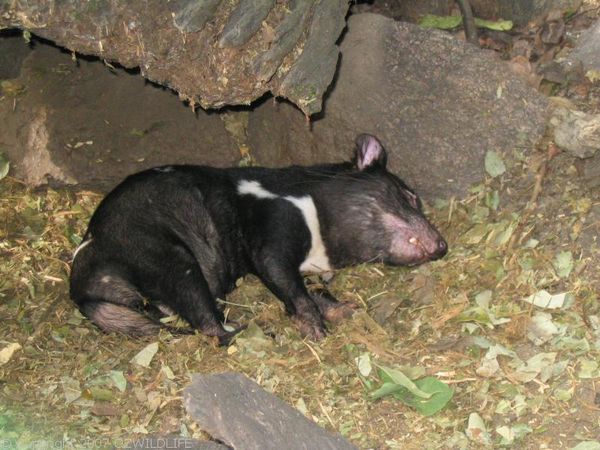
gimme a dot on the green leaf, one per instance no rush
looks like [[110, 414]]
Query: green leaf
[[529, 370], [118, 379], [496, 25], [440, 22], [510, 434], [124, 421], [503, 407], [301, 406], [101, 394], [167, 372], [588, 369], [492, 200], [503, 236], [531, 243], [563, 395], [413, 372], [387, 374], [480, 213], [475, 314], [587, 445], [144, 357], [440, 394], [483, 298], [451, 22], [137, 133], [476, 430], [4, 166], [363, 362], [71, 388], [476, 234], [541, 328], [563, 264], [253, 341], [427, 395], [543, 299], [494, 165], [386, 388]]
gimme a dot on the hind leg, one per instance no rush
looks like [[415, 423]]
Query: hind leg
[[110, 301], [111, 317], [287, 285], [115, 295], [181, 286]]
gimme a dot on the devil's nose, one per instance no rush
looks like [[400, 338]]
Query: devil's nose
[[442, 248]]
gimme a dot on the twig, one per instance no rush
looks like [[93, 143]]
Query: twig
[[225, 302], [462, 380], [468, 21], [580, 13], [537, 190], [313, 351], [326, 415]]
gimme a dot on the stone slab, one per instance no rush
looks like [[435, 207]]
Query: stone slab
[[237, 411]]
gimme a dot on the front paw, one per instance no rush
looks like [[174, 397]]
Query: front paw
[[226, 336], [337, 312], [331, 309], [310, 326]]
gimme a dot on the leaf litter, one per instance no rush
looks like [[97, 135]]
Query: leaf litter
[[505, 328], [523, 330]]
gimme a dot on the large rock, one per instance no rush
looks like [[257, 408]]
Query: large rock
[[237, 411], [576, 132], [589, 171], [153, 442], [437, 104], [587, 49]]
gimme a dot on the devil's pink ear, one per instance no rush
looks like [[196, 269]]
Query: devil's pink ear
[[369, 152]]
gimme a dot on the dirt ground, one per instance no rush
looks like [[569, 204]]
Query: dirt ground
[[82, 122], [530, 373]]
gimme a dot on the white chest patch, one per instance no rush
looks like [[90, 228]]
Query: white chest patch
[[317, 259]]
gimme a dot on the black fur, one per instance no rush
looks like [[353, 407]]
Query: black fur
[[179, 237]]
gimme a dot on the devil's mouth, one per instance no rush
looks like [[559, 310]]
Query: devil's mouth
[[424, 255], [415, 253], [417, 243]]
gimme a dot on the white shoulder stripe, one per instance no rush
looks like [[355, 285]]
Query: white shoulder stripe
[[247, 187], [317, 259]]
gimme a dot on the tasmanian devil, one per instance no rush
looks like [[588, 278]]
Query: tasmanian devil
[[173, 239]]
